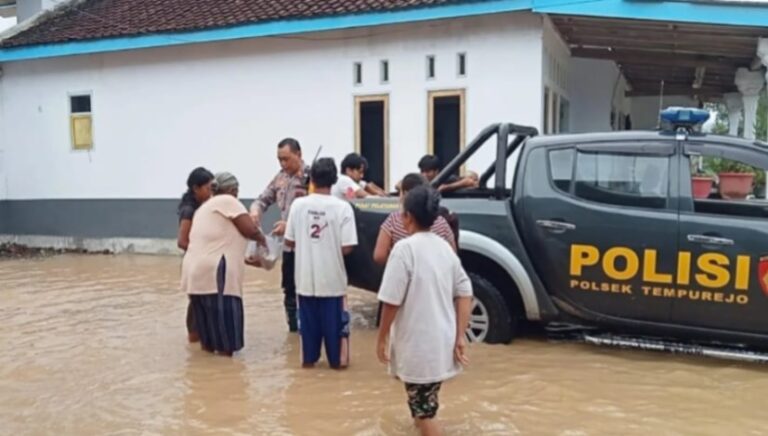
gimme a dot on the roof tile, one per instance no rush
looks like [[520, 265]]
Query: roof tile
[[94, 19]]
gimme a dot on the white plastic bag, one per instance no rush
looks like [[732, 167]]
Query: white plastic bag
[[267, 255]]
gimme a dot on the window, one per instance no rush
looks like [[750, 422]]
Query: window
[[358, 73], [622, 179], [81, 122], [727, 185], [384, 72], [561, 168], [564, 114], [430, 67], [461, 66], [80, 104]]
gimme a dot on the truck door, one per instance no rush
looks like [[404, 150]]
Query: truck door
[[721, 278], [601, 220]]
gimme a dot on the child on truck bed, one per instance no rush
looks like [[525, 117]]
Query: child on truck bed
[[426, 298]]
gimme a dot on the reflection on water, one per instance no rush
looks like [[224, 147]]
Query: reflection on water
[[96, 345]]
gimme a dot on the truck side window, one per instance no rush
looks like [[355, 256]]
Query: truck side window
[[726, 186], [622, 179], [561, 168]]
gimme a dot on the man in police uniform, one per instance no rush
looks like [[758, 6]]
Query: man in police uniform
[[289, 184]]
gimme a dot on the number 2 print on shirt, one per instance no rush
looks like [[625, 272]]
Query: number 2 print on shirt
[[318, 225]]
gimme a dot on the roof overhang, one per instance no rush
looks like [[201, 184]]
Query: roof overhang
[[689, 59], [719, 12]]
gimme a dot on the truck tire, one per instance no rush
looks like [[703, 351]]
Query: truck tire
[[491, 320]]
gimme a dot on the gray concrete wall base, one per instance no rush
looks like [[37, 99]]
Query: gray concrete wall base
[[113, 245], [100, 219]]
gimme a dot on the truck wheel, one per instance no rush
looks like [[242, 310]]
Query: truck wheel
[[490, 320]]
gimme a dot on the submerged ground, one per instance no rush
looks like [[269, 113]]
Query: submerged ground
[[97, 345]]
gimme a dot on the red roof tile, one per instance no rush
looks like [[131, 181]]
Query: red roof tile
[[94, 19]]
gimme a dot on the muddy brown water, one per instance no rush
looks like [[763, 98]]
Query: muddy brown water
[[96, 345]]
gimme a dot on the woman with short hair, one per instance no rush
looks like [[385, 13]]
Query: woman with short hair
[[198, 192]]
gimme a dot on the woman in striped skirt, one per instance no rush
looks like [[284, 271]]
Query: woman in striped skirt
[[214, 264]]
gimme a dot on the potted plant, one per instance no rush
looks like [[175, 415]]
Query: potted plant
[[701, 181], [735, 178], [701, 184]]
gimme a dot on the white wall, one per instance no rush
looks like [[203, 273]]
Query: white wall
[[645, 110], [158, 113], [6, 23], [555, 62], [26, 9], [598, 87]]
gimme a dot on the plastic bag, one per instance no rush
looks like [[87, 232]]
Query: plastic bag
[[267, 255]]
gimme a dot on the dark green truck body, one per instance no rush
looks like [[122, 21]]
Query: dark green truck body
[[602, 231]]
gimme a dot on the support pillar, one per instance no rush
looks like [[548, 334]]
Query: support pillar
[[734, 104], [750, 83], [762, 53]]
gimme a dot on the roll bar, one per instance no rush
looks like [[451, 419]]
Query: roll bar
[[504, 149]]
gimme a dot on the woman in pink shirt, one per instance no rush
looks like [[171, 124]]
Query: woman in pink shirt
[[393, 229], [213, 267]]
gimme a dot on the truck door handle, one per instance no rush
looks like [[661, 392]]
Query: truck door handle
[[556, 226], [709, 240]]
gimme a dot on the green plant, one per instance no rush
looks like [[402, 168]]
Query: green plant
[[717, 165], [701, 173], [721, 117], [761, 121], [713, 166], [761, 118], [697, 168]]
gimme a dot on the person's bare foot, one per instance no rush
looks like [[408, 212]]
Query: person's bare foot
[[193, 337], [307, 365], [208, 350], [429, 427]]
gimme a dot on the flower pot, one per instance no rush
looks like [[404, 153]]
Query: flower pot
[[735, 186], [702, 186]]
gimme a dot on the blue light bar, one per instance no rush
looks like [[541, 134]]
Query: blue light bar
[[684, 116]]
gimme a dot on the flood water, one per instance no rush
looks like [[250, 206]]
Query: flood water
[[97, 345]]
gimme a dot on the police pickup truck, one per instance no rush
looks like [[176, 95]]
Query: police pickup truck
[[602, 232]]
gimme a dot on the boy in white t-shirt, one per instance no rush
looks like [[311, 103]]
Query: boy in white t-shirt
[[426, 298], [322, 230], [349, 187]]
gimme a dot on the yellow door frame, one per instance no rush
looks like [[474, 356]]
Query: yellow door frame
[[358, 134], [431, 96]]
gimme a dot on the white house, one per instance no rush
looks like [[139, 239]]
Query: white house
[[106, 106]]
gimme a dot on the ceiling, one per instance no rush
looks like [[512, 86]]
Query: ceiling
[[649, 52]]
